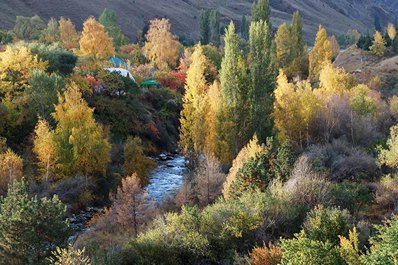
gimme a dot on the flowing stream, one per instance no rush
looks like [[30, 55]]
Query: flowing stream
[[164, 181]]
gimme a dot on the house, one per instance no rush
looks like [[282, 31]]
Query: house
[[122, 72], [118, 62]]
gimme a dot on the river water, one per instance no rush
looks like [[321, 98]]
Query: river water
[[164, 181], [167, 178]]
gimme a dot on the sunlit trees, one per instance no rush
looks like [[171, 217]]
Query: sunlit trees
[[82, 145], [51, 33], [388, 156], [161, 47], [291, 50], [135, 160], [95, 42], [108, 20], [30, 228], [391, 31], [45, 148], [68, 34], [193, 126], [262, 80], [129, 204], [321, 53], [379, 44], [335, 46], [234, 94], [69, 256], [11, 169]]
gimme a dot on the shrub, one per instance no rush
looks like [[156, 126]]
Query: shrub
[[269, 255], [352, 196], [327, 224], [69, 256]]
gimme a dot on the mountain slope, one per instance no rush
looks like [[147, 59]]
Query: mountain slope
[[338, 15]]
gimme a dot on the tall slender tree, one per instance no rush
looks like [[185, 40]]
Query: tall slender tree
[[321, 54], [244, 28], [234, 93], [263, 76], [108, 20], [214, 21], [261, 11], [204, 26]]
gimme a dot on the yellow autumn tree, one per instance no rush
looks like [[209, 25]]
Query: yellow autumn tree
[[16, 64], [334, 80], [283, 46], [391, 31], [286, 110], [251, 150], [11, 168], [82, 145], [321, 53], [68, 34], [161, 47], [192, 120], [335, 46], [95, 42], [379, 44], [212, 104], [45, 148]]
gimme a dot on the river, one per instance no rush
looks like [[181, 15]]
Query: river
[[164, 181]]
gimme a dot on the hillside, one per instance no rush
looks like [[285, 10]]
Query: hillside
[[338, 16]]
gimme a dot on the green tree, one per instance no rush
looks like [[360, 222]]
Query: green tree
[[28, 28], [244, 28], [51, 33], [135, 160], [108, 20], [388, 156], [43, 92], [384, 245], [261, 11], [322, 53], [298, 65], [234, 94], [82, 146], [263, 76], [284, 46], [214, 20], [204, 26], [30, 227]]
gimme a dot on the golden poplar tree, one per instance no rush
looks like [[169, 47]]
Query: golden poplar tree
[[283, 43], [335, 46], [321, 53], [45, 148], [211, 108], [161, 47], [193, 128], [379, 44], [95, 42], [82, 144], [68, 34]]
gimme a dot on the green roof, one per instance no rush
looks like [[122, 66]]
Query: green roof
[[150, 83]]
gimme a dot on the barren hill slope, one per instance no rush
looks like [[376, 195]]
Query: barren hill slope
[[337, 15]]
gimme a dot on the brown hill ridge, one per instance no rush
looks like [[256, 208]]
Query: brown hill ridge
[[337, 15]]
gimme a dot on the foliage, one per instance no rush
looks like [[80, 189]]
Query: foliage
[[204, 26], [161, 47], [95, 42], [262, 80], [327, 224], [384, 244], [379, 45], [6, 37], [82, 146], [364, 42], [68, 34], [352, 196], [270, 255], [135, 160], [51, 33], [302, 250], [108, 20], [28, 28], [349, 248], [11, 169], [322, 53], [261, 11], [30, 228], [69, 256], [388, 156]]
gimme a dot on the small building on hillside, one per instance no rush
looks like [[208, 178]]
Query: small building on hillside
[[118, 62], [122, 72]]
